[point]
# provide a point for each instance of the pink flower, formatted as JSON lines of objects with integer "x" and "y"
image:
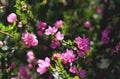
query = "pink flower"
{"x": 82, "y": 73}
{"x": 50, "y": 30}
{"x": 31, "y": 59}
{"x": 42, "y": 25}
{"x": 23, "y": 73}
{"x": 40, "y": 33}
{"x": 117, "y": 47}
{"x": 105, "y": 36}
{"x": 68, "y": 57}
{"x": 30, "y": 53}
{"x": 11, "y": 17}
{"x": 106, "y": 1}
{"x": 43, "y": 65}
{"x": 105, "y": 40}
{"x": 59, "y": 36}
{"x": 82, "y": 43}
{"x": 14, "y": 78}
{"x": 41, "y": 28}
{"x": 55, "y": 43}
{"x": 51, "y": 76}
{"x": 20, "y": 24}
{"x": 83, "y": 46}
{"x": 11, "y": 67}
{"x": 81, "y": 53}
{"x": 29, "y": 39}
{"x": 73, "y": 69}
{"x": 99, "y": 9}
{"x": 30, "y": 56}
{"x": 87, "y": 24}
{"x": 58, "y": 23}
{"x": 56, "y": 56}
{"x": 30, "y": 66}
{"x": 1, "y": 43}
{"x": 105, "y": 32}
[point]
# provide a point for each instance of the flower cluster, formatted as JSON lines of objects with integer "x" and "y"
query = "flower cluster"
{"x": 81, "y": 73}
{"x": 43, "y": 65}
{"x": 67, "y": 57}
{"x": 71, "y": 59}
{"x": 29, "y": 39}
{"x": 57, "y": 35}
{"x": 51, "y": 30}
{"x": 83, "y": 46}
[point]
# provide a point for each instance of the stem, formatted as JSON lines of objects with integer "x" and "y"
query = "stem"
{"x": 6, "y": 33}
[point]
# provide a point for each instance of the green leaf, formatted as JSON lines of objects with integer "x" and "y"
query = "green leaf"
{"x": 76, "y": 77}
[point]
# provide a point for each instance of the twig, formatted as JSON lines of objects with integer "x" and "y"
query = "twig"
{"x": 6, "y": 33}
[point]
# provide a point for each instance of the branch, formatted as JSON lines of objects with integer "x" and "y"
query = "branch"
{"x": 6, "y": 33}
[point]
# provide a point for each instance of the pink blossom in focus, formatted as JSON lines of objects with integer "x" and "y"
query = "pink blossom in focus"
{"x": 29, "y": 39}
{"x": 58, "y": 23}
{"x": 59, "y": 36}
{"x": 1, "y": 43}
{"x": 82, "y": 43}
{"x": 73, "y": 69}
{"x": 68, "y": 57}
{"x": 87, "y": 24}
{"x": 43, "y": 65}
{"x": 83, "y": 46}
{"x": 50, "y": 30}
{"x": 11, "y": 17}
